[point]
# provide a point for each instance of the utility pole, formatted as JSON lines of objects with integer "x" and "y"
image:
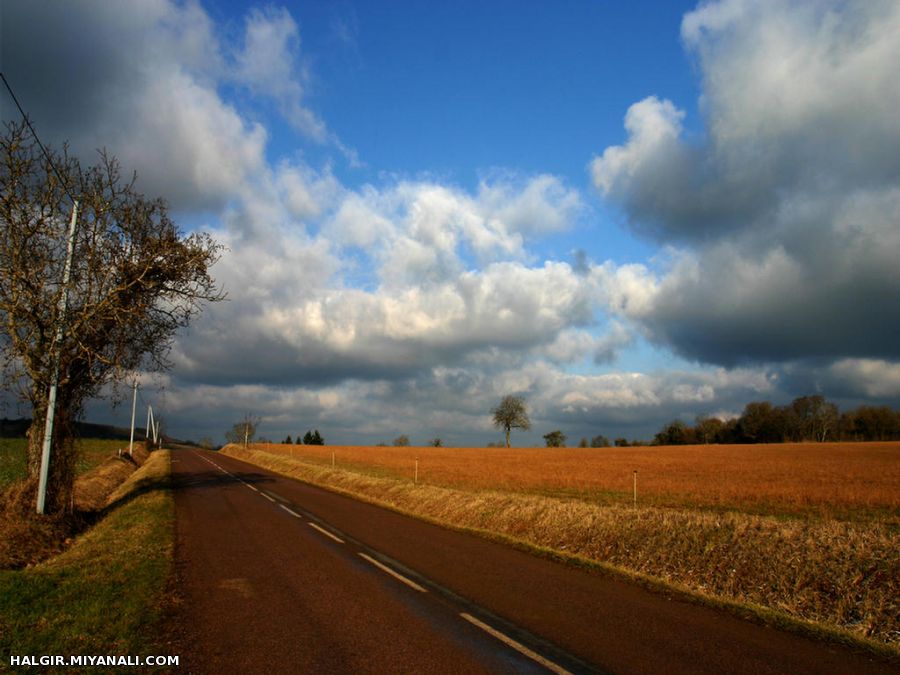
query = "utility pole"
{"x": 152, "y": 424}
{"x": 54, "y": 381}
{"x": 133, "y": 410}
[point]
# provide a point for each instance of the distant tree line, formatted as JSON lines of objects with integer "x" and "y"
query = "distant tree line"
{"x": 807, "y": 418}
{"x": 309, "y": 438}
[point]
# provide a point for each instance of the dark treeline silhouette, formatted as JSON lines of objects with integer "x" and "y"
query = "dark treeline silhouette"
{"x": 808, "y": 418}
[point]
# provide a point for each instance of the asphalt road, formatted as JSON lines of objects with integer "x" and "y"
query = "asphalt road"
{"x": 278, "y": 576}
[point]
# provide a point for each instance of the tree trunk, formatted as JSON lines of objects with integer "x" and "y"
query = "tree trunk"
{"x": 61, "y": 476}
{"x": 507, "y": 437}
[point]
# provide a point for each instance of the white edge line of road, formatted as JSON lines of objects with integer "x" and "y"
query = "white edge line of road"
{"x": 291, "y": 511}
{"x": 327, "y": 533}
{"x": 519, "y": 647}
{"x": 396, "y": 575}
{"x": 271, "y": 499}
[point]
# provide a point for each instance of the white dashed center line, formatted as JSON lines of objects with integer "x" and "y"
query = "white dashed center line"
{"x": 396, "y": 575}
{"x": 291, "y": 511}
{"x": 518, "y": 646}
{"x": 326, "y": 533}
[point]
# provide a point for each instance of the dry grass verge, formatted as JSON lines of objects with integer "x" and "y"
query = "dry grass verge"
{"x": 93, "y": 488}
{"x": 844, "y": 576}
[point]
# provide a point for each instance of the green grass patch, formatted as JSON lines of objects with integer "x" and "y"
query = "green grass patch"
{"x": 106, "y": 594}
{"x": 12, "y": 460}
{"x": 91, "y": 452}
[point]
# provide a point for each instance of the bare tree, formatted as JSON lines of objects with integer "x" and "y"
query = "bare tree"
{"x": 511, "y": 414}
{"x": 135, "y": 280}
{"x": 243, "y": 432}
{"x": 817, "y": 419}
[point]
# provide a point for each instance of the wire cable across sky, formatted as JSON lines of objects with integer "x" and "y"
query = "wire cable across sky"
{"x": 62, "y": 182}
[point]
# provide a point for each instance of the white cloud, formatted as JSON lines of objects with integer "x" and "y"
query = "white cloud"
{"x": 543, "y": 204}
{"x": 306, "y": 193}
{"x": 654, "y": 128}
{"x": 583, "y": 397}
{"x": 421, "y": 232}
{"x": 874, "y": 378}
{"x": 269, "y": 64}
{"x": 216, "y": 150}
{"x": 802, "y": 73}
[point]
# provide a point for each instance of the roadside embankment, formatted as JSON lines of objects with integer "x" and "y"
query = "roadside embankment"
{"x": 27, "y": 538}
{"x": 832, "y": 579}
{"x": 106, "y": 594}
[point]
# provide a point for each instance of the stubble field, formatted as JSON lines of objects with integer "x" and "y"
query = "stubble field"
{"x": 843, "y": 480}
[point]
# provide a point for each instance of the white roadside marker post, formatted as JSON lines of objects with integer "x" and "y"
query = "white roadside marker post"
{"x": 133, "y": 410}
{"x": 635, "y": 489}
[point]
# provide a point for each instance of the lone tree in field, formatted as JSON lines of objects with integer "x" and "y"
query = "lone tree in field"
{"x": 135, "y": 280}
{"x": 511, "y": 414}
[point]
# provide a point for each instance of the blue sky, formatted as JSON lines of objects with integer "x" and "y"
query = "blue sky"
{"x": 457, "y": 88}
{"x": 624, "y": 212}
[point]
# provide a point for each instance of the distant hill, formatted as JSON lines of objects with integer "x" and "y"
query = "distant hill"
{"x": 18, "y": 428}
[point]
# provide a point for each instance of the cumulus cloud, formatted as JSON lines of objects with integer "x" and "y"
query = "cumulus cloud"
{"x": 785, "y": 210}
{"x": 542, "y": 204}
{"x": 324, "y": 334}
{"x": 420, "y": 232}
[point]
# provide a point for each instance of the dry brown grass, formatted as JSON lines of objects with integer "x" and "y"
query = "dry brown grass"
{"x": 841, "y": 574}
{"x": 92, "y": 489}
{"x": 26, "y": 538}
{"x": 832, "y": 479}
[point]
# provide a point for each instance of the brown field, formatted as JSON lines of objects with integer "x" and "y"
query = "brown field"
{"x": 847, "y": 480}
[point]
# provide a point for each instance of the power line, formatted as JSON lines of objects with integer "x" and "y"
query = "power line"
{"x": 62, "y": 182}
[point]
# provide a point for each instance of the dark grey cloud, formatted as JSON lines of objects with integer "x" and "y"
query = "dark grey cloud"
{"x": 140, "y": 80}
